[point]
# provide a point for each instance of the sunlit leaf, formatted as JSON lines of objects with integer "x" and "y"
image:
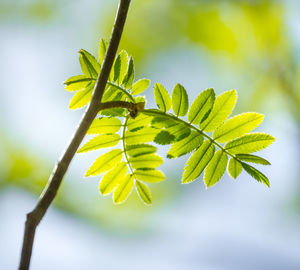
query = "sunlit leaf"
{"x": 164, "y": 137}
{"x": 76, "y": 83}
{"x": 81, "y": 98}
{"x": 162, "y": 98}
{"x": 146, "y": 134}
{"x": 253, "y": 159}
{"x": 151, "y": 176}
{"x": 146, "y": 161}
{"x": 102, "y": 50}
{"x": 180, "y": 102}
{"x": 234, "y": 168}
{"x": 89, "y": 65}
{"x": 140, "y": 121}
{"x": 140, "y": 86}
{"x": 137, "y": 150}
{"x": 123, "y": 190}
{"x": 105, "y": 125}
{"x": 120, "y": 67}
{"x": 129, "y": 77}
{"x": 143, "y": 192}
{"x": 256, "y": 174}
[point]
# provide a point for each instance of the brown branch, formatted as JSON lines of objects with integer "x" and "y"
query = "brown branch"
{"x": 49, "y": 192}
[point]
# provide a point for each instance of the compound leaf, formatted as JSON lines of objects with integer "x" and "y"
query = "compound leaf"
{"x": 150, "y": 161}
{"x": 237, "y": 126}
{"x": 81, "y": 98}
{"x": 201, "y": 106}
{"x": 137, "y": 150}
{"x": 146, "y": 134}
{"x": 256, "y": 174}
{"x": 112, "y": 178}
{"x": 249, "y": 143}
{"x": 234, "y": 168}
{"x": 180, "y": 102}
{"x": 101, "y": 141}
{"x": 162, "y": 98}
{"x": 89, "y": 65}
{"x": 76, "y": 83}
{"x": 141, "y": 120}
{"x": 222, "y": 108}
{"x": 105, "y": 162}
{"x": 215, "y": 168}
{"x": 185, "y": 146}
{"x": 140, "y": 86}
{"x": 143, "y": 192}
{"x": 123, "y": 190}
{"x": 198, "y": 161}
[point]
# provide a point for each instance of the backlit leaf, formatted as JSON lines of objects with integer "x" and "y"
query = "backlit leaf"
{"x": 162, "y": 98}
{"x": 198, "y": 161}
{"x": 101, "y": 141}
{"x": 89, "y": 65}
{"x": 141, "y": 120}
{"x": 151, "y": 176}
{"x": 76, "y": 83}
{"x": 123, "y": 189}
{"x": 146, "y": 161}
{"x": 234, "y": 168}
{"x": 164, "y": 137}
{"x": 140, "y": 86}
{"x": 120, "y": 67}
{"x": 146, "y": 134}
{"x": 201, "y": 106}
{"x": 129, "y": 77}
{"x": 237, "y": 126}
{"x": 143, "y": 192}
{"x": 81, "y": 98}
{"x": 180, "y": 102}
{"x": 222, "y": 108}
{"x": 112, "y": 178}
{"x": 215, "y": 168}
{"x": 105, "y": 162}
{"x": 256, "y": 174}
{"x": 249, "y": 143}
{"x": 253, "y": 159}
{"x": 137, "y": 150}
{"x": 102, "y": 50}
{"x": 105, "y": 125}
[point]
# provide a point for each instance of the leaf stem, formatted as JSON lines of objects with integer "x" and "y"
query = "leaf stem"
{"x": 35, "y": 216}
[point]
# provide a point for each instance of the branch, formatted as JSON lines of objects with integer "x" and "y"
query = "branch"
{"x": 49, "y": 192}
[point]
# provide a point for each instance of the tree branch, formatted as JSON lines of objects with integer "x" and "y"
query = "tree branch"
{"x": 49, "y": 192}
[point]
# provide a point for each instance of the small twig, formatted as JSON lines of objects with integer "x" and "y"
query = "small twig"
{"x": 49, "y": 192}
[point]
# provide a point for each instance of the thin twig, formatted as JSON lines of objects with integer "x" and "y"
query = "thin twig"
{"x": 49, "y": 193}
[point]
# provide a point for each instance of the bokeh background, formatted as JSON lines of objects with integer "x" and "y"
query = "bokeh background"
{"x": 252, "y": 46}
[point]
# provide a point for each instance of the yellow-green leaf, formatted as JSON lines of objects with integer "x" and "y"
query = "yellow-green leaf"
{"x": 143, "y": 135}
{"x": 89, "y": 65}
{"x": 256, "y": 174}
{"x": 180, "y": 101}
{"x": 185, "y": 146}
{"x": 120, "y": 67}
{"x": 81, "y": 98}
{"x": 249, "y": 143}
{"x": 201, "y": 106}
{"x": 140, "y": 86}
{"x": 76, "y": 83}
{"x": 144, "y": 192}
{"x": 237, "y": 126}
{"x": 234, "y": 168}
{"x": 123, "y": 189}
{"x": 198, "y": 161}
{"x": 105, "y": 125}
{"x": 105, "y": 162}
{"x": 162, "y": 97}
{"x": 221, "y": 110}
{"x": 215, "y": 168}
{"x": 253, "y": 159}
{"x": 112, "y": 178}
{"x": 137, "y": 150}
{"x": 141, "y": 120}
{"x": 101, "y": 141}
{"x": 102, "y": 50}
{"x": 151, "y": 176}
{"x": 146, "y": 161}
{"x": 129, "y": 77}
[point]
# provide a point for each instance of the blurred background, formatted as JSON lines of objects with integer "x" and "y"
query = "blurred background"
{"x": 252, "y": 46}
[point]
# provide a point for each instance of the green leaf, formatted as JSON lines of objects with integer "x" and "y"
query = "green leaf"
{"x": 180, "y": 131}
{"x": 81, "y": 98}
{"x": 253, "y": 159}
{"x": 249, "y": 143}
{"x": 180, "y": 101}
{"x": 201, "y": 106}
{"x": 137, "y": 150}
{"x": 221, "y": 110}
{"x": 140, "y": 121}
{"x": 140, "y": 86}
{"x": 151, "y": 176}
{"x": 89, "y": 65}
{"x": 185, "y": 146}
{"x": 162, "y": 98}
{"x": 129, "y": 77}
{"x": 215, "y": 168}
{"x": 113, "y": 93}
{"x": 105, "y": 162}
{"x": 144, "y": 192}
{"x": 237, "y": 126}
{"x": 102, "y": 50}
{"x": 118, "y": 112}
{"x": 105, "y": 125}
{"x": 120, "y": 67}
{"x": 123, "y": 189}
{"x": 164, "y": 138}
{"x": 146, "y": 161}
{"x": 146, "y": 134}
{"x": 256, "y": 174}
{"x": 112, "y": 178}
{"x": 234, "y": 168}
{"x": 101, "y": 141}
{"x": 76, "y": 83}
{"x": 198, "y": 161}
